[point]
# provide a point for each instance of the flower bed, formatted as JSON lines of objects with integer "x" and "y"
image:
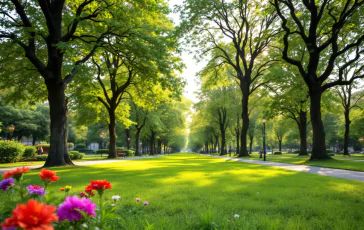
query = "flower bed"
{"x": 32, "y": 209}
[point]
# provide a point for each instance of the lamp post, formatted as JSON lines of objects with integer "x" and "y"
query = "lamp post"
{"x": 264, "y": 120}
{"x": 361, "y": 139}
{"x": 101, "y": 137}
{"x": 11, "y": 129}
{"x": 128, "y": 143}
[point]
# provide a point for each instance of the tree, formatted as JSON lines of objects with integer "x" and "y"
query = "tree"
{"x": 248, "y": 28}
{"x": 327, "y": 29}
{"x": 349, "y": 100}
{"x": 49, "y": 35}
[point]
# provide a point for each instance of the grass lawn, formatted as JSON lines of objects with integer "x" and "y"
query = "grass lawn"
{"x": 339, "y": 162}
{"x": 191, "y": 191}
{"x": 30, "y": 163}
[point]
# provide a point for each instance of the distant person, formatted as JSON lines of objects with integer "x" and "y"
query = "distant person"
{"x": 260, "y": 152}
{"x": 40, "y": 150}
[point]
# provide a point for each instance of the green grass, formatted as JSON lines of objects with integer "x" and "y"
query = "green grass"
{"x": 30, "y": 163}
{"x": 339, "y": 162}
{"x": 190, "y": 191}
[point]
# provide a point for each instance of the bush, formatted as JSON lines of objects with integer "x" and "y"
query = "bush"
{"x": 29, "y": 152}
{"x": 277, "y": 153}
{"x": 103, "y": 151}
{"x": 81, "y": 146}
{"x": 130, "y": 153}
{"x": 329, "y": 151}
{"x": 41, "y": 157}
{"x": 11, "y": 151}
{"x": 43, "y": 145}
{"x": 75, "y": 155}
{"x": 331, "y": 154}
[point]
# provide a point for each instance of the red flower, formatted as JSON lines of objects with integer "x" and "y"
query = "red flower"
{"x": 99, "y": 185}
{"x": 48, "y": 176}
{"x": 82, "y": 194}
{"x": 16, "y": 173}
{"x": 88, "y": 190}
{"x": 33, "y": 215}
{"x": 61, "y": 189}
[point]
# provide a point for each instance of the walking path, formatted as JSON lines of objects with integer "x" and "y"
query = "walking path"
{"x": 82, "y": 163}
{"x": 339, "y": 173}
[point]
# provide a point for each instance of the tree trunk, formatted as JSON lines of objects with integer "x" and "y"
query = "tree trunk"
{"x": 137, "y": 142}
{"x": 251, "y": 144}
{"x": 280, "y": 144}
{"x": 347, "y": 129}
{"x": 303, "y": 133}
{"x": 244, "y": 130}
{"x": 112, "y": 134}
{"x": 223, "y": 141}
{"x": 159, "y": 146}
{"x": 58, "y": 152}
{"x": 237, "y": 141}
{"x": 318, "y": 140}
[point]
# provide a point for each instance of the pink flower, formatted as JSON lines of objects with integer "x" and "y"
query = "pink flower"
{"x": 146, "y": 203}
{"x": 73, "y": 206}
{"x": 35, "y": 189}
{"x": 137, "y": 199}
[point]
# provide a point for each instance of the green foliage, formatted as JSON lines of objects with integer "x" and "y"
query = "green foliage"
{"x": 76, "y": 155}
{"x": 130, "y": 153}
{"x": 11, "y": 151}
{"x": 29, "y": 152}
{"x": 102, "y": 151}
{"x": 277, "y": 153}
{"x": 43, "y": 145}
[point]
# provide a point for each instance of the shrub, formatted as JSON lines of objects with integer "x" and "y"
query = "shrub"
{"x": 11, "y": 151}
{"x": 329, "y": 151}
{"x": 41, "y": 157}
{"x": 70, "y": 145}
{"x": 103, "y": 151}
{"x": 81, "y": 146}
{"x": 74, "y": 155}
{"x": 277, "y": 153}
{"x": 130, "y": 153}
{"x": 29, "y": 152}
{"x": 331, "y": 154}
{"x": 43, "y": 145}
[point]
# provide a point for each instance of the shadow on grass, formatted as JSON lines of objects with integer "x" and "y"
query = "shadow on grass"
{"x": 183, "y": 189}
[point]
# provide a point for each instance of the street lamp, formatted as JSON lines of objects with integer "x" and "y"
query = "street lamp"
{"x": 128, "y": 142}
{"x": 361, "y": 139}
{"x": 11, "y": 129}
{"x": 264, "y": 120}
{"x": 101, "y": 137}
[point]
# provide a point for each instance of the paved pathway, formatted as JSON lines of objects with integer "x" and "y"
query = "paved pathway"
{"x": 80, "y": 163}
{"x": 339, "y": 173}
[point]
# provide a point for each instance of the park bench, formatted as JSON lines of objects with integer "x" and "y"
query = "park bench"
{"x": 121, "y": 153}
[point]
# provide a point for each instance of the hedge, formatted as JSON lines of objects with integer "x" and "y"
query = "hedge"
{"x": 11, "y": 151}
{"x": 277, "y": 153}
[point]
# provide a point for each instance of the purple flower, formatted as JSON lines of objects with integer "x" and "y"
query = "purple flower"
{"x": 7, "y": 183}
{"x": 146, "y": 203}
{"x": 71, "y": 207}
{"x": 35, "y": 189}
{"x": 137, "y": 199}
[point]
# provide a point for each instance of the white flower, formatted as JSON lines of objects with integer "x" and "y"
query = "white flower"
{"x": 112, "y": 205}
{"x": 115, "y": 198}
{"x": 84, "y": 225}
{"x": 236, "y": 216}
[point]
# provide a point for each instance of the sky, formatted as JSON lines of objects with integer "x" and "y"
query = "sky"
{"x": 192, "y": 67}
